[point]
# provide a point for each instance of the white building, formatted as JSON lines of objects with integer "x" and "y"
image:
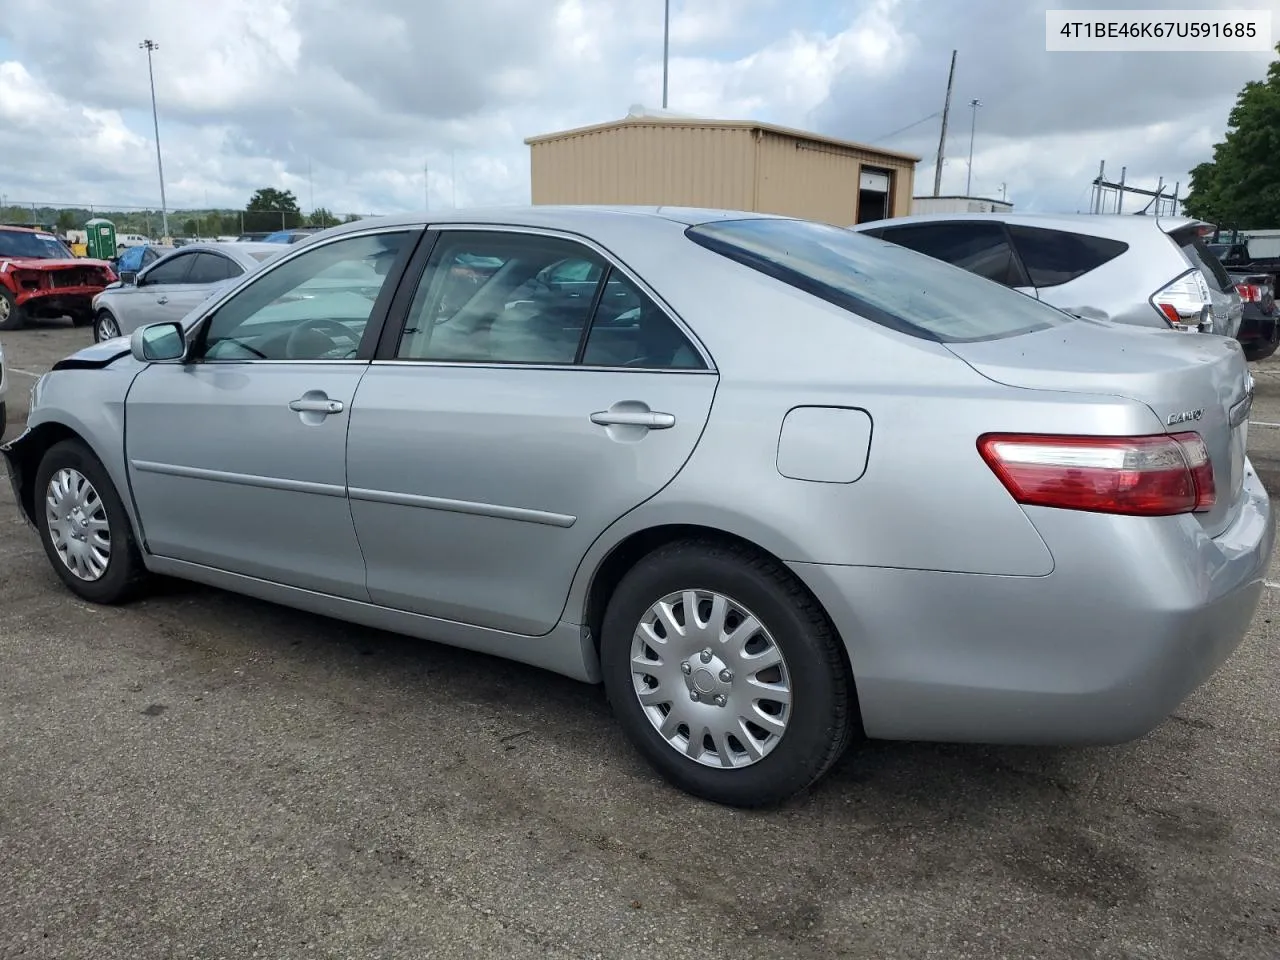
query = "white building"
{"x": 959, "y": 205}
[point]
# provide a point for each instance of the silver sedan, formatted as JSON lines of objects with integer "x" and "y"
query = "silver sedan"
{"x": 772, "y": 482}
{"x": 168, "y": 288}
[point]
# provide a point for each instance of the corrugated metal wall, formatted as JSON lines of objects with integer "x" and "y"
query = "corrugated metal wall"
{"x": 735, "y": 168}
{"x": 646, "y": 164}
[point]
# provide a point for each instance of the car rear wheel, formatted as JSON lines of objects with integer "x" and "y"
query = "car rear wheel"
{"x": 82, "y": 319}
{"x": 3, "y": 415}
{"x": 11, "y": 315}
{"x": 725, "y": 673}
{"x": 83, "y": 526}
{"x": 105, "y": 327}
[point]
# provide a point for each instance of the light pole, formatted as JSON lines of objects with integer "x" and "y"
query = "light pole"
{"x": 150, "y": 46}
{"x": 968, "y": 184}
{"x": 666, "y": 48}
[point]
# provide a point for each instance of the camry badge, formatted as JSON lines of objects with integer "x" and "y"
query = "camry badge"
{"x": 1185, "y": 416}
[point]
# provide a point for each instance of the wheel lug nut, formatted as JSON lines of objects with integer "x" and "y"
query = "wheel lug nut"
{"x": 726, "y": 675}
{"x": 706, "y": 655}
{"x": 685, "y": 668}
{"x": 720, "y": 700}
{"x": 693, "y": 695}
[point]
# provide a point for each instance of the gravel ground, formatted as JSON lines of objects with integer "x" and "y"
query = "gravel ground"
{"x": 200, "y": 775}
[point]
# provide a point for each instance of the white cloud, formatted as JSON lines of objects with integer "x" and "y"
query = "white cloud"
{"x": 258, "y": 92}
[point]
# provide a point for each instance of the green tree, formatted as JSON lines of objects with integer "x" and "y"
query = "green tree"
{"x": 66, "y": 220}
{"x": 351, "y": 218}
{"x": 320, "y": 217}
{"x": 269, "y": 198}
{"x": 1240, "y": 186}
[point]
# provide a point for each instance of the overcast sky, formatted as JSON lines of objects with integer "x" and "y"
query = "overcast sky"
{"x": 345, "y": 102}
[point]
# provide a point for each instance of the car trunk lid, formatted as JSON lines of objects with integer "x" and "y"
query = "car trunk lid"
{"x": 1191, "y": 382}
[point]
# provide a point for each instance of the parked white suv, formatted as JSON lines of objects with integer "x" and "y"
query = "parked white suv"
{"x": 1143, "y": 270}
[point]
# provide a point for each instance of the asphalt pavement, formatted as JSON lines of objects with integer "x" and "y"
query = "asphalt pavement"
{"x": 201, "y": 775}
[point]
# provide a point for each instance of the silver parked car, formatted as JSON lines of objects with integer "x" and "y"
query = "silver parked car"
{"x": 168, "y": 288}
{"x": 1142, "y": 270}
{"x": 771, "y": 481}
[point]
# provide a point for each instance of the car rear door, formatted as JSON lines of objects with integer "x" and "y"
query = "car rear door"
{"x": 208, "y": 269}
{"x": 496, "y": 437}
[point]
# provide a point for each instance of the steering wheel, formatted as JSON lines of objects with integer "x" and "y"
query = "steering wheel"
{"x": 293, "y": 345}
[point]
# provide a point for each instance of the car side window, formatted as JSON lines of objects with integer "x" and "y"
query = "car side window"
{"x": 313, "y": 307}
{"x": 630, "y": 330}
{"x": 491, "y": 297}
{"x": 172, "y": 270}
{"x": 1052, "y": 257}
{"x": 212, "y": 268}
{"x": 981, "y": 248}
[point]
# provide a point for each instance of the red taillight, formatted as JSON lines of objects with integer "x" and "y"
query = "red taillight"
{"x": 1151, "y": 476}
{"x": 1249, "y": 292}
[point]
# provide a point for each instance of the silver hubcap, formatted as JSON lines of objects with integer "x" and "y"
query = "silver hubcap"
{"x": 107, "y": 328}
{"x": 78, "y": 524}
{"x": 711, "y": 679}
{"x": 4, "y": 309}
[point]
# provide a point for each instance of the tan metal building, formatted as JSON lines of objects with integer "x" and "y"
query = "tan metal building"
{"x": 735, "y": 165}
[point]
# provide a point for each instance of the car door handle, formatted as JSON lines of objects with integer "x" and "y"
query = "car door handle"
{"x": 162, "y": 299}
{"x": 308, "y": 405}
{"x": 633, "y": 418}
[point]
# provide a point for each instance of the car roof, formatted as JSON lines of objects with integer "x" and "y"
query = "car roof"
{"x": 242, "y": 253}
{"x": 572, "y": 218}
{"x": 1099, "y": 224}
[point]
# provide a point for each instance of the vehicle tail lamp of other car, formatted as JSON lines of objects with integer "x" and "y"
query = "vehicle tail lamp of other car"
{"x": 1185, "y": 303}
{"x": 1252, "y": 292}
{"x": 1151, "y": 476}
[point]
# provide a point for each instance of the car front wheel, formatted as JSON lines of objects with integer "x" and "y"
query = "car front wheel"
{"x": 83, "y": 526}
{"x": 11, "y": 315}
{"x": 725, "y": 673}
{"x": 105, "y": 327}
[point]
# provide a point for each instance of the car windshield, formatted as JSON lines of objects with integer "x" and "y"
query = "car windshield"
{"x": 881, "y": 281}
{"x": 37, "y": 246}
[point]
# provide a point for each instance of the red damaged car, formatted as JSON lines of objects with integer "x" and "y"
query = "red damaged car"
{"x": 40, "y": 277}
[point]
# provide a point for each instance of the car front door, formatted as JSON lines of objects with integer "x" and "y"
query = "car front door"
{"x": 237, "y": 456}
{"x": 506, "y": 428}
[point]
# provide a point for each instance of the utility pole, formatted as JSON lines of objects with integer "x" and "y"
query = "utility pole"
{"x": 942, "y": 140}
{"x": 151, "y": 46}
{"x": 311, "y": 188}
{"x": 974, "y": 104}
{"x": 426, "y": 184}
{"x": 1003, "y": 195}
{"x": 666, "y": 49}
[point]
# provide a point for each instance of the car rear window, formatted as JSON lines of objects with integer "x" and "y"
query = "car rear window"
{"x": 881, "y": 281}
{"x": 1053, "y": 257}
{"x": 1202, "y": 258}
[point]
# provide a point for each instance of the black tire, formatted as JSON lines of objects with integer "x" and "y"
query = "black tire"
{"x": 124, "y": 573}
{"x": 14, "y": 316}
{"x": 3, "y": 414}
{"x": 823, "y": 698}
{"x": 98, "y": 319}
{"x": 1259, "y": 351}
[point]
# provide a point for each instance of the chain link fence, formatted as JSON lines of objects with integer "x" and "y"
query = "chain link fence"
{"x": 202, "y": 223}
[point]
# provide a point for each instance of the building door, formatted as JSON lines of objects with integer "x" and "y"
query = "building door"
{"x": 873, "y": 195}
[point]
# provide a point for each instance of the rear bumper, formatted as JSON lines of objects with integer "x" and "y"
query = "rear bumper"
{"x": 1257, "y": 327}
{"x": 1101, "y": 650}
